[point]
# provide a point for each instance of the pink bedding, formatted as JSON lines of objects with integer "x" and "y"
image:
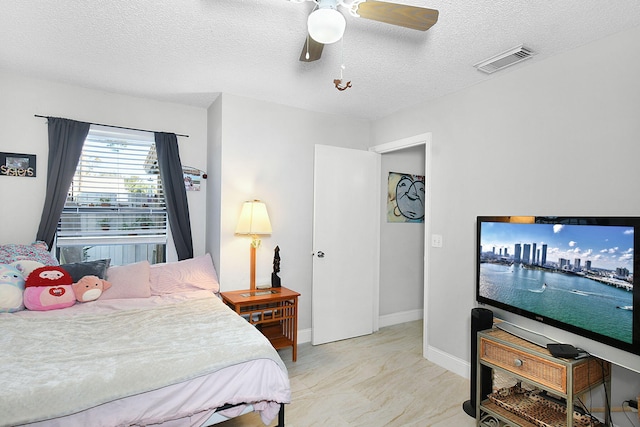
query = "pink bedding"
{"x": 189, "y": 403}
{"x": 261, "y": 382}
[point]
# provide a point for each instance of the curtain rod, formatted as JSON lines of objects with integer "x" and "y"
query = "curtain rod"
{"x": 117, "y": 127}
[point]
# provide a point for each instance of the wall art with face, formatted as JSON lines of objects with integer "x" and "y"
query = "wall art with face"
{"x": 406, "y": 198}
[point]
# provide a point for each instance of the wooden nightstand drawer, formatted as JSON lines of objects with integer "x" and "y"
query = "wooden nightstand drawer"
{"x": 525, "y": 364}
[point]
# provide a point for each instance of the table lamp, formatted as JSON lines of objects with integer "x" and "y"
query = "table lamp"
{"x": 253, "y": 221}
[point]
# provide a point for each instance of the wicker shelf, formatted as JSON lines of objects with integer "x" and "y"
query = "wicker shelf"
{"x": 494, "y": 415}
{"x": 534, "y": 365}
{"x": 530, "y": 406}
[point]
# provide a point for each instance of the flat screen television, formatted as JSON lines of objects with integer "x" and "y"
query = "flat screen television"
{"x": 573, "y": 273}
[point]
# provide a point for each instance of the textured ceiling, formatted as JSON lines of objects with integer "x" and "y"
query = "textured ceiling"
{"x": 189, "y": 51}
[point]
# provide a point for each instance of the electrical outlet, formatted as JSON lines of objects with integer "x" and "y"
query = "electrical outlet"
{"x": 436, "y": 240}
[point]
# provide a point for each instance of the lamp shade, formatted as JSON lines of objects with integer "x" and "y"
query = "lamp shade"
{"x": 326, "y": 26}
{"x": 254, "y": 219}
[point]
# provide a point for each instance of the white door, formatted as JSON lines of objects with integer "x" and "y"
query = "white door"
{"x": 345, "y": 243}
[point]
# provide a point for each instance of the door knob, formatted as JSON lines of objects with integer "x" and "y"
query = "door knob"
{"x": 320, "y": 254}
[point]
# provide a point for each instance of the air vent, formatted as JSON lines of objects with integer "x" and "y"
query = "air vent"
{"x": 505, "y": 59}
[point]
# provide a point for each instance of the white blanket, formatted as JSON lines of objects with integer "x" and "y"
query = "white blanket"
{"x": 56, "y": 363}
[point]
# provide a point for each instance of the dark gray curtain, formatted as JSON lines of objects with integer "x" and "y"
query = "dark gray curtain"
{"x": 66, "y": 138}
{"x": 174, "y": 192}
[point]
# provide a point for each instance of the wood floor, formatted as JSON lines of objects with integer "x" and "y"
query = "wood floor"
{"x": 376, "y": 380}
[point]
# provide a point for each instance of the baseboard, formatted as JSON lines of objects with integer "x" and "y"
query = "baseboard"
{"x": 304, "y": 335}
{"x": 401, "y": 317}
{"x": 449, "y": 362}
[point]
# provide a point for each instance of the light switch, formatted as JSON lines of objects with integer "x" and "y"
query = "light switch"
{"x": 436, "y": 240}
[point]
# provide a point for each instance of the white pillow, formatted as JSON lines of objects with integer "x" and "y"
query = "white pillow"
{"x": 128, "y": 281}
{"x": 189, "y": 274}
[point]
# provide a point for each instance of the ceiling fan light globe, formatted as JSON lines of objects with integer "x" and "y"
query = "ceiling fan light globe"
{"x": 326, "y": 26}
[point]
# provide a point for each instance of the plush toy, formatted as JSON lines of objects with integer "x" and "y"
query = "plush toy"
{"x": 48, "y": 288}
{"x": 89, "y": 288}
{"x": 26, "y": 266}
{"x": 11, "y": 288}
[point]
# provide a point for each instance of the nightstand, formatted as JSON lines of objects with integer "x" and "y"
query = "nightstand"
{"x": 274, "y": 311}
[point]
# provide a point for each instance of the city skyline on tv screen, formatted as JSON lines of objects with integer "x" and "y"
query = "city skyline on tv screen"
{"x": 606, "y": 247}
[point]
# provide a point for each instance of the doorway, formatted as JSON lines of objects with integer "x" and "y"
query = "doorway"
{"x": 422, "y": 141}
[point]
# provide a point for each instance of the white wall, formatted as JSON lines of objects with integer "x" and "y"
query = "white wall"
{"x": 401, "y": 246}
{"x": 21, "y": 132}
{"x": 558, "y": 137}
{"x": 267, "y": 153}
{"x": 214, "y": 167}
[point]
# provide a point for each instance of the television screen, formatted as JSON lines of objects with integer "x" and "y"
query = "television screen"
{"x": 575, "y": 273}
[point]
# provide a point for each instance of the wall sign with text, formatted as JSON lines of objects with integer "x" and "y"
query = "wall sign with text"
{"x": 14, "y": 164}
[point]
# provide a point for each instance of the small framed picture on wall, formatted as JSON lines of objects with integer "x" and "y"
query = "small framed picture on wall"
{"x": 192, "y": 178}
{"x": 14, "y": 164}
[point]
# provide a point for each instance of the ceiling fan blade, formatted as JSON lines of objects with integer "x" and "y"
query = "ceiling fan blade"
{"x": 315, "y": 50}
{"x": 417, "y": 18}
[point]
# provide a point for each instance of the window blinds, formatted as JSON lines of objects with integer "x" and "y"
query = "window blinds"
{"x": 116, "y": 194}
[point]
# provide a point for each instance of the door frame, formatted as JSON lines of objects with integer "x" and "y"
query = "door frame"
{"x": 412, "y": 141}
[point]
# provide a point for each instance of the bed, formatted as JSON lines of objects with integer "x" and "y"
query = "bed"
{"x": 176, "y": 357}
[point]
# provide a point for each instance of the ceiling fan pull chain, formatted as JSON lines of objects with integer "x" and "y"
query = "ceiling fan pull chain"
{"x": 342, "y": 66}
{"x": 341, "y": 56}
{"x": 338, "y": 82}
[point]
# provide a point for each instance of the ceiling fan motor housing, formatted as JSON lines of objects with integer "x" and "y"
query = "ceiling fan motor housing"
{"x": 325, "y": 24}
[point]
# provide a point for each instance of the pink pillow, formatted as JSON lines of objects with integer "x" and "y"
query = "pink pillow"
{"x": 128, "y": 281}
{"x": 189, "y": 274}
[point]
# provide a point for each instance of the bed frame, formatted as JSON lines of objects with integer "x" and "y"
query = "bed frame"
{"x": 280, "y": 413}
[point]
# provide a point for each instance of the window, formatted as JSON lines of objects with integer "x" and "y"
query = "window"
{"x": 115, "y": 206}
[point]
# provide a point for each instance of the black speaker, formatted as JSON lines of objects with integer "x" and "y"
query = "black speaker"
{"x": 481, "y": 319}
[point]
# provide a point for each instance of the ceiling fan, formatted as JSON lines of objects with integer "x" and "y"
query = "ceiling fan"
{"x": 326, "y": 24}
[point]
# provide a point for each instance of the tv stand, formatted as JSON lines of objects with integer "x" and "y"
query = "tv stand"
{"x": 532, "y": 368}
